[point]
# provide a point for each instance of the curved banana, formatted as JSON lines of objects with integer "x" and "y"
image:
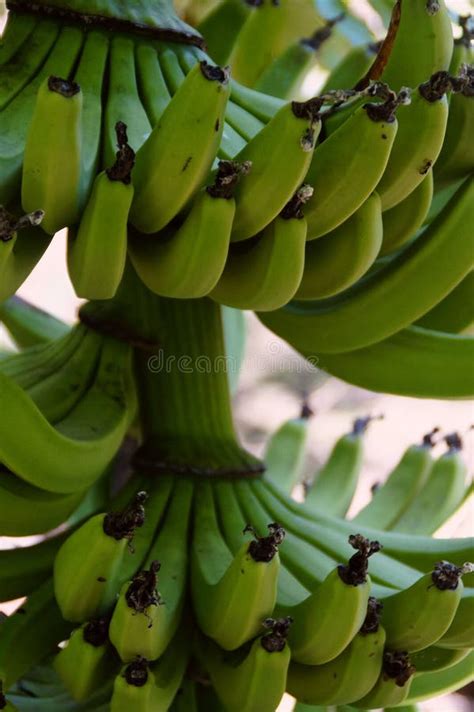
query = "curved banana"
{"x": 401, "y": 223}
{"x": 149, "y": 606}
{"x": 285, "y": 452}
{"x": 347, "y": 166}
{"x": 333, "y": 487}
{"x": 28, "y": 325}
{"x": 263, "y": 106}
{"x": 420, "y": 135}
{"x": 221, "y": 26}
{"x": 152, "y": 86}
{"x": 433, "y": 684}
{"x": 337, "y": 260}
{"x": 264, "y": 273}
{"x": 17, "y": 29}
{"x": 401, "y": 487}
{"x": 440, "y": 496}
{"x": 23, "y": 569}
{"x": 86, "y": 660}
{"x": 393, "y": 686}
{"x": 258, "y": 681}
{"x": 460, "y": 634}
{"x": 348, "y": 677}
{"x": 49, "y": 180}
{"x": 231, "y": 594}
{"x": 172, "y": 265}
{"x": 87, "y": 568}
{"x": 351, "y": 68}
{"x": 168, "y": 173}
{"x": 393, "y": 297}
{"x": 85, "y": 441}
{"x": 434, "y": 659}
{"x": 134, "y": 688}
{"x": 454, "y": 314}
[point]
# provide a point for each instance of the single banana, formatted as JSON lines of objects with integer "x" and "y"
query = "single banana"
{"x": 393, "y": 686}
{"x": 333, "y": 487}
{"x": 25, "y": 568}
{"x": 87, "y": 568}
{"x": 460, "y": 634}
{"x": 401, "y": 488}
{"x": 284, "y": 148}
{"x": 220, "y": 28}
{"x": 262, "y": 106}
{"x": 149, "y": 607}
{"x": 401, "y": 223}
{"x": 343, "y": 175}
{"x": 429, "y": 685}
{"x": 172, "y": 265}
{"x": 265, "y": 273}
{"x": 97, "y": 250}
{"x": 49, "y": 180}
{"x": 256, "y": 683}
{"x": 231, "y": 594}
{"x": 339, "y": 259}
{"x": 123, "y": 100}
{"x": 434, "y": 659}
{"x": 86, "y": 660}
{"x": 152, "y": 86}
{"x": 85, "y": 441}
{"x": 393, "y": 297}
{"x": 420, "y": 615}
{"x": 28, "y": 325}
{"x": 134, "y": 688}
{"x": 285, "y": 452}
{"x": 351, "y": 68}
{"x": 454, "y": 314}
{"x": 349, "y": 676}
{"x": 16, "y": 31}
{"x": 420, "y": 135}
{"x": 440, "y": 495}
{"x": 169, "y": 670}
{"x": 167, "y": 172}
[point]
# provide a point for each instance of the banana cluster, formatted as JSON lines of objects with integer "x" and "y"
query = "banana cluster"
{"x": 149, "y": 150}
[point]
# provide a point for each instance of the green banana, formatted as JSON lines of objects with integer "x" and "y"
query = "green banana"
{"x": 393, "y": 686}
{"x": 409, "y": 64}
{"x": 351, "y": 68}
{"x": 434, "y": 659}
{"x": 440, "y": 496}
{"x": 101, "y": 238}
{"x": 265, "y": 273}
{"x": 342, "y": 596}
{"x": 169, "y": 671}
{"x": 421, "y": 129}
{"x": 430, "y": 685}
{"x": 21, "y": 247}
{"x": 16, "y": 31}
{"x": 123, "y": 100}
{"x": 167, "y": 173}
{"x": 28, "y": 325}
{"x": 420, "y": 615}
{"x": 262, "y": 106}
{"x": 231, "y": 594}
{"x": 401, "y": 223}
{"x": 172, "y": 265}
{"x": 25, "y": 568}
{"x": 242, "y": 121}
{"x": 49, "y": 180}
{"x": 392, "y": 298}
{"x": 460, "y": 633}
{"x": 454, "y": 314}
{"x": 151, "y": 83}
{"x": 343, "y": 177}
{"x": 285, "y": 451}
{"x": 348, "y": 677}
{"x": 337, "y": 260}
{"x": 87, "y": 568}
{"x": 221, "y": 26}
{"x": 149, "y": 606}
{"x": 333, "y": 487}
{"x": 257, "y": 682}
{"x": 401, "y": 487}
{"x": 86, "y": 660}
{"x": 134, "y": 688}
{"x": 85, "y": 441}
{"x": 284, "y": 148}
{"x": 30, "y": 633}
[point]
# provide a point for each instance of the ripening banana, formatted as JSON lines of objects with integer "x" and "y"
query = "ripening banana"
{"x": 440, "y": 495}
{"x": 391, "y": 298}
{"x": 340, "y": 258}
{"x": 401, "y": 223}
{"x": 172, "y": 265}
{"x": 86, "y": 660}
{"x": 333, "y": 487}
{"x": 285, "y": 452}
{"x": 401, "y": 487}
{"x": 231, "y": 594}
{"x": 393, "y": 685}
{"x": 149, "y": 606}
{"x": 347, "y": 166}
{"x": 283, "y": 148}
{"x": 52, "y": 164}
{"x": 420, "y": 615}
{"x": 265, "y": 273}
{"x": 256, "y": 683}
{"x": 87, "y": 568}
{"x": 349, "y": 676}
{"x": 455, "y": 313}
{"x": 168, "y": 172}
{"x": 97, "y": 249}
{"x": 421, "y": 129}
